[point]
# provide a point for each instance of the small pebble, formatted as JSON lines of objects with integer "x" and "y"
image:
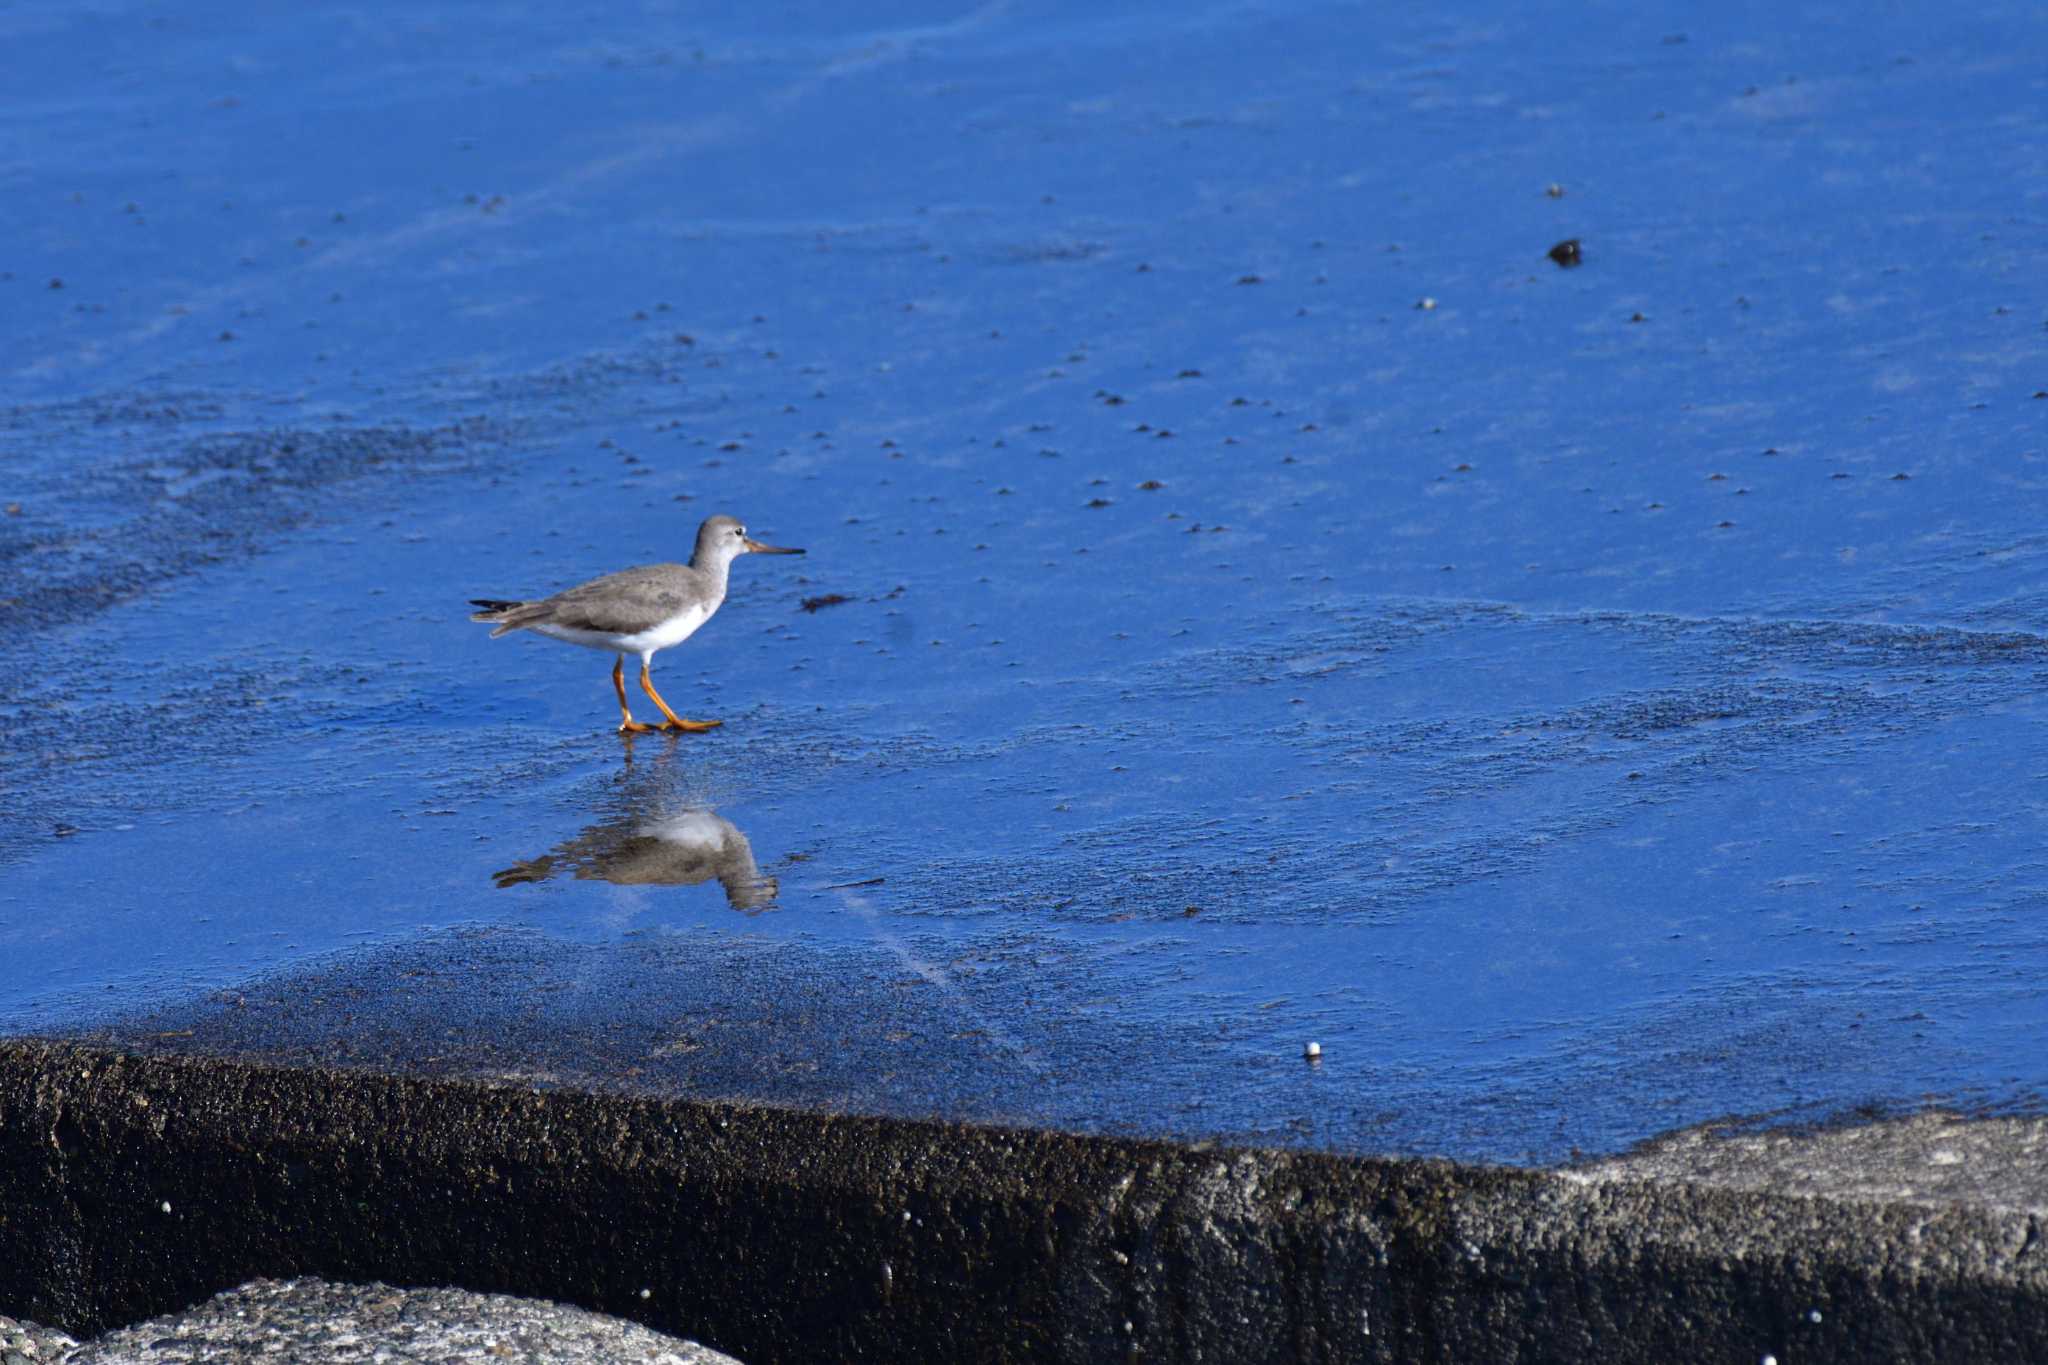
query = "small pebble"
{"x": 1425, "y": 303}
{"x": 1312, "y": 1051}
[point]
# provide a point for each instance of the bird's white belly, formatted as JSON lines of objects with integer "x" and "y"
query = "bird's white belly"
{"x": 673, "y": 631}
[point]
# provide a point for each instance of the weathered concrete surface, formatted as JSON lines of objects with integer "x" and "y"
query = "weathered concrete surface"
{"x": 131, "y": 1185}
{"x": 1932, "y": 1159}
{"x": 313, "y": 1320}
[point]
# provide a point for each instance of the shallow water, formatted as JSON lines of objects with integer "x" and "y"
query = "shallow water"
{"x": 1581, "y": 726}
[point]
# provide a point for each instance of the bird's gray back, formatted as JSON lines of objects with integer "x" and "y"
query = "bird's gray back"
{"x": 633, "y": 600}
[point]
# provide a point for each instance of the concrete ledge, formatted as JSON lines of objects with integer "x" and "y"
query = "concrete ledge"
{"x": 134, "y": 1185}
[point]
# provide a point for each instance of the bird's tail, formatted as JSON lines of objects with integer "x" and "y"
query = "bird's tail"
{"x": 502, "y": 614}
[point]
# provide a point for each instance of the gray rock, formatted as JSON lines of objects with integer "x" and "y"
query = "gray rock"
{"x": 314, "y": 1320}
{"x": 24, "y": 1343}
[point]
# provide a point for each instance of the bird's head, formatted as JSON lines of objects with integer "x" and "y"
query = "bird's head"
{"x": 725, "y": 538}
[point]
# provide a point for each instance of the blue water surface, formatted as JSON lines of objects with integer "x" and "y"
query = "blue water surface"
{"x": 1280, "y": 603}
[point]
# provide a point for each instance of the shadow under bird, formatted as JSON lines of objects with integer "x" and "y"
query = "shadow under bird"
{"x": 638, "y": 611}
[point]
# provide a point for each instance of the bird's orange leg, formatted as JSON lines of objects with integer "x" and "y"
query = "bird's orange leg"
{"x": 675, "y": 722}
{"x": 627, "y": 725}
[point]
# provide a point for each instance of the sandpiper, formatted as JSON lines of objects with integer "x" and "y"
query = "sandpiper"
{"x": 638, "y": 611}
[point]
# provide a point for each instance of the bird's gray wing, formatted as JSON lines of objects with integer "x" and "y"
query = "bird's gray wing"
{"x": 625, "y": 602}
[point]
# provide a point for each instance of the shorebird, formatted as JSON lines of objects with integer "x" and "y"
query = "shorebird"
{"x": 638, "y": 611}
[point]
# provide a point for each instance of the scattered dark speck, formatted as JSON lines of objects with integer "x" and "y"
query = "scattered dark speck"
{"x": 1897, "y": 478}
{"x": 1637, "y": 317}
{"x": 1190, "y": 374}
{"x": 56, "y": 283}
{"x": 1249, "y": 279}
{"x": 1098, "y": 502}
{"x": 1566, "y": 253}
{"x": 1149, "y": 486}
{"x": 830, "y": 599}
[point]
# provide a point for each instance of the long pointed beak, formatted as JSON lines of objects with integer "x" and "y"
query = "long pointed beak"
{"x": 758, "y": 548}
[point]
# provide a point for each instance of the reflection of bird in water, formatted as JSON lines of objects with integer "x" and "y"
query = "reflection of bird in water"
{"x": 640, "y": 848}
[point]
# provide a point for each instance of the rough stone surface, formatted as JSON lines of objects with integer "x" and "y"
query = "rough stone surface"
{"x": 131, "y": 1185}
{"x": 1935, "y": 1158}
{"x": 22, "y": 1342}
{"x": 313, "y": 1320}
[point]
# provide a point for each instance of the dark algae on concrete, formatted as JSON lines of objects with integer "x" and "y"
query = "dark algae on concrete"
{"x": 132, "y": 1185}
